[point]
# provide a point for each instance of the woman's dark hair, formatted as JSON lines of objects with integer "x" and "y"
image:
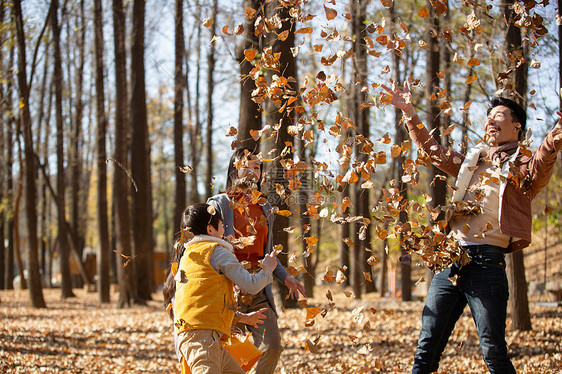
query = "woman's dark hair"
{"x": 194, "y": 221}
{"x": 169, "y": 290}
{"x": 232, "y": 173}
{"x": 517, "y": 112}
{"x": 196, "y": 217}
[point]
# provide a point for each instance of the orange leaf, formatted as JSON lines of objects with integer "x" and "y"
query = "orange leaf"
{"x": 250, "y": 54}
{"x": 471, "y": 79}
{"x": 440, "y": 8}
{"x": 284, "y": 213}
{"x": 330, "y": 13}
{"x": 395, "y": 150}
{"x": 382, "y": 40}
{"x": 283, "y": 35}
{"x": 312, "y": 312}
{"x": 225, "y": 30}
{"x": 386, "y": 3}
{"x": 304, "y": 30}
{"x": 424, "y": 13}
{"x": 208, "y": 22}
{"x": 473, "y": 62}
{"x": 385, "y": 139}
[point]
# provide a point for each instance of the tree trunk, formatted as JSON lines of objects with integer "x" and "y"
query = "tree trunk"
{"x": 250, "y": 114}
{"x": 43, "y": 144}
{"x": 35, "y": 288}
{"x": 195, "y": 126}
{"x": 361, "y": 120}
{"x": 125, "y": 274}
{"x": 103, "y": 225}
{"x": 66, "y": 283}
{"x": 140, "y": 160}
{"x": 515, "y": 265}
{"x": 210, "y": 87}
{"x": 10, "y": 125}
{"x": 437, "y": 179}
{"x": 180, "y": 201}
{"x": 287, "y": 69}
{"x": 560, "y": 53}
{"x": 77, "y": 195}
{"x": 3, "y": 159}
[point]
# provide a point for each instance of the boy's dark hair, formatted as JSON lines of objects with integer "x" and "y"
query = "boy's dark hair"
{"x": 232, "y": 173}
{"x": 196, "y": 217}
{"x": 517, "y": 112}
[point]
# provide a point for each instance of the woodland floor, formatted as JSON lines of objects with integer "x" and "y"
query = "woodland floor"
{"x": 373, "y": 335}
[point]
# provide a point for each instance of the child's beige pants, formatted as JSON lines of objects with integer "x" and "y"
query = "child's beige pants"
{"x": 205, "y": 354}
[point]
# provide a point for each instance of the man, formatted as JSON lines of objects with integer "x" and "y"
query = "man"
{"x": 497, "y": 183}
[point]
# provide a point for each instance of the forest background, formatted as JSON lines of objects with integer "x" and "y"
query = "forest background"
{"x": 116, "y": 115}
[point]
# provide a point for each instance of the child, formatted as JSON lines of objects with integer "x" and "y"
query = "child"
{"x": 204, "y": 304}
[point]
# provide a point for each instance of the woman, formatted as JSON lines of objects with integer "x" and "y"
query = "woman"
{"x": 246, "y": 214}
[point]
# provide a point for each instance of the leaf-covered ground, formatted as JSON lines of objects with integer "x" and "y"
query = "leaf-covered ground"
{"x": 373, "y": 335}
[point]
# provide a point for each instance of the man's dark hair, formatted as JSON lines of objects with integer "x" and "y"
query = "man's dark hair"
{"x": 196, "y": 217}
{"x": 517, "y": 112}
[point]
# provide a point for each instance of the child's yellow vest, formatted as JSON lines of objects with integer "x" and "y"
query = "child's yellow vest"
{"x": 204, "y": 299}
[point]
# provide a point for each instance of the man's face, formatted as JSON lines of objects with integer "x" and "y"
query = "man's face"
{"x": 500, "y": 126}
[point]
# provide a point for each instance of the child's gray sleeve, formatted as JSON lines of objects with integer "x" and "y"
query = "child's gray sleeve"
{"x": 224, "y": 262}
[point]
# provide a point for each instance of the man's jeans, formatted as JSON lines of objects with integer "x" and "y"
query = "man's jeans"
{"x": 483, "y": 285}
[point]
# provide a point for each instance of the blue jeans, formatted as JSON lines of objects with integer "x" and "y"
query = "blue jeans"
{"x": 482, "y": 284}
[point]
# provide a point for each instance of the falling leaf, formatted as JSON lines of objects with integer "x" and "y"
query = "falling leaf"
{"x": 250, "y": 54}
{"x": 312, "y": 312}
{"x": 284, "y": 213}
{"x": 304, "y": 30}
{"x": 473, "y": 62}
{"x": 387, "y": 3}
{"x": 208, "y": 22}
{"x": 330, "y": 13}
{"x": 471, "y": 79}
{"x": 340, "y": 277}
{"x": 185, "y": 169}
{"x": 225, "y": 30}
{"x": 423, "y": 12}
{"x": 440, "y": 8}
{"x": 283, "y": 36}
